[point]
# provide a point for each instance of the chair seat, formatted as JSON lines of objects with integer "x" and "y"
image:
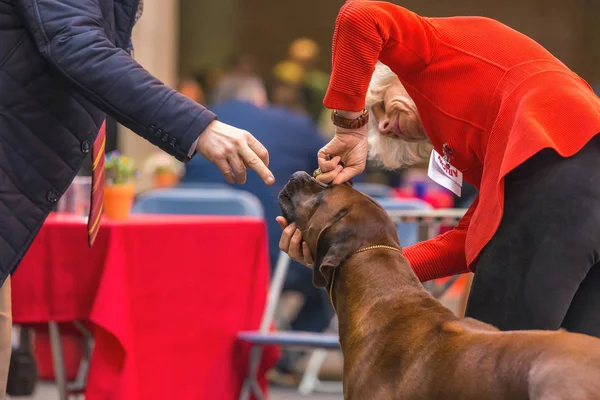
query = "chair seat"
{"x": 292, "y": 339}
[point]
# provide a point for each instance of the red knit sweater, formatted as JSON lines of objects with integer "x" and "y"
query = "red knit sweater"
{"x": 493, "y": 95}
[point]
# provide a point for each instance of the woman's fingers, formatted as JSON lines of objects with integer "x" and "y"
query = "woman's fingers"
{"x": 282, "y": 222}
{"x": 295, "y": 249}
{"x": 326, "y": 163}
{"x": 291, "y": 240}
{"x": 328, "y": 177}
{"x": 346, "y": 174}
{"x": 292, "y": 244}
{"x": 286, "y": 237}
{"x": 308, "y": 260}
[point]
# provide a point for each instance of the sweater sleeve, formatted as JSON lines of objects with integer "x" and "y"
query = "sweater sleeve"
{"x": 367, "y": 31}
{"x": 71, "y": 37}
{"x": 444, "y": 255}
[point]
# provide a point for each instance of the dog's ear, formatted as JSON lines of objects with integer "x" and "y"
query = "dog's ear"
{"x": 333, "y": 247}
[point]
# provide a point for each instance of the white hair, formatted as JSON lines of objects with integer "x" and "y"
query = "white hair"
{"x": 392, "y": 153}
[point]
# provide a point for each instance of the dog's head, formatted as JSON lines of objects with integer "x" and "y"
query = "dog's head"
{"x": 335, "y": 221}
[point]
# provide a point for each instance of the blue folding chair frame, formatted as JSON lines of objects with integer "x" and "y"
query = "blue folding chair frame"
{"x": 408, "y": 232}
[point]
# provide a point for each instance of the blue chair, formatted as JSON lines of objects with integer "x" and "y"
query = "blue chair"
{"x": 375, "y": 190}
{"x": 199, "y": 202}
{"x": 408, "y": 233}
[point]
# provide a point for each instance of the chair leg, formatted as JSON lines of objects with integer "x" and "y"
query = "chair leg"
{"x": 82, "y": 373}
{"x": 274, "y": 293}
{"x": 310, "y": 378}
{"x": 251, "y": 385}
{"x": 58, "y": 361}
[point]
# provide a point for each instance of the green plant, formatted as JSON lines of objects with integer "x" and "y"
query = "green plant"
{"x": 161, "y": 162}
{"x": 119, "y": 169}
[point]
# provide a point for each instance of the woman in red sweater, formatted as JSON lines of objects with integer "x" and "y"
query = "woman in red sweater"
{"x": 515, "y": 121}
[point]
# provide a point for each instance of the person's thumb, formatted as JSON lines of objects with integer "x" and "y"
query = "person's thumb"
{"x": 346, "y": 174}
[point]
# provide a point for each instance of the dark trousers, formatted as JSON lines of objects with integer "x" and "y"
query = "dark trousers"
{"x": 316, "y": 313}
{"x": 541, "y": 269}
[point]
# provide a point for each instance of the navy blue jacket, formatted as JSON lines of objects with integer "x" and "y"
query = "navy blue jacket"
{"x": 64, "y": 64}
{"x": 292, "y": 141}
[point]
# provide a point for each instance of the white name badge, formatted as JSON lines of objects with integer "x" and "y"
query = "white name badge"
{"x": 444, "y": 173}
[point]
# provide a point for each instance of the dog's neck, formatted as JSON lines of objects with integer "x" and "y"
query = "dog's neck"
{"x": 377, "y": 292}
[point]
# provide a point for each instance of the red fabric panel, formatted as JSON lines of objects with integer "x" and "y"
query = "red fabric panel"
{"x": 166, "y": 296}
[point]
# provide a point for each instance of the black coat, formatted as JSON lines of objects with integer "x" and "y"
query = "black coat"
{"x": 64, "y": 64}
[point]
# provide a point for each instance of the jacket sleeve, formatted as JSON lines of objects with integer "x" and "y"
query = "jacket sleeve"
{"x": 367, "y": 31}
{"x": 444, "y": 255}
{"x": 71, "y": 37}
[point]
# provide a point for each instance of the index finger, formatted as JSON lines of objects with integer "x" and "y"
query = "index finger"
{"x": 345, "y": 175}
{"x": 326, "y": 164}
{"x": 252, "y": 160}
{"x": 258, "y": 148}
{"x": 328, "y": 177}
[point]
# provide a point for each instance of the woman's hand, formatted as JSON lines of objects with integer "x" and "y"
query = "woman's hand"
{"x": 292, "y": 244}
{"x": 351, "y": 146}
{"x": 232, "y": 150}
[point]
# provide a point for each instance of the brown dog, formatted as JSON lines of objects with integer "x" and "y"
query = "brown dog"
{"x": 398, "y": 341}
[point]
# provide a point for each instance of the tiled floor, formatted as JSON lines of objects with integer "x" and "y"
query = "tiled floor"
{"x": 46, "y": 391}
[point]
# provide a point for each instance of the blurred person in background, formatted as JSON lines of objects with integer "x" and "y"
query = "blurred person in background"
{"x": 287, "y": 86}
{"x": 66, "y": 64}
{"x": 243, "y": 88}
{"x": 519, "y": 125}
{"x": 191, "y": 88}
{"x": 208, "y": 80}
{"x": 305, "y": 52}
{"x": 242, "y": 64}
{"x": 310, "y": 83}
{"x": 292, "y": 141}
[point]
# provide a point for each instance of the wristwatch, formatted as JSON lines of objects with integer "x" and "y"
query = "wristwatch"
{"x": 347, "y": 123}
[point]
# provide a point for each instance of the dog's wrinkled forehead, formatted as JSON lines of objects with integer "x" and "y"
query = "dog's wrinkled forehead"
{"x": 327, "y": 205}
{"x": 302, "y": 195}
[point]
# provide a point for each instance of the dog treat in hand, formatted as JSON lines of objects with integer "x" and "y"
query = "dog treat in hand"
{"x": 318, "y": 171}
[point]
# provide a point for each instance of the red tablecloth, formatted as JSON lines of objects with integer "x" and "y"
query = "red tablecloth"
{"x": 165, "y": 295}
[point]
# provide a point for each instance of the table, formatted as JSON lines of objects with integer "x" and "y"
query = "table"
{"x": 165, "y": 297}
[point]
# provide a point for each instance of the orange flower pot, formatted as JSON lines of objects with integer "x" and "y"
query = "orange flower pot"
{"x": 165, "y": 179}
{"x": 118, "y": 200}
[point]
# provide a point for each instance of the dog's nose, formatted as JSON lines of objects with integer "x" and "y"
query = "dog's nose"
{"x": 300, "y": 176}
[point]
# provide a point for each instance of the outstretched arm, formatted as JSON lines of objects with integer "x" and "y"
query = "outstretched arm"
{"x": 70, "y": 36}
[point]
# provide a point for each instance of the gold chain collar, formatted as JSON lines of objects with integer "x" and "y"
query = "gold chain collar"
{"x": 374, "y": 247}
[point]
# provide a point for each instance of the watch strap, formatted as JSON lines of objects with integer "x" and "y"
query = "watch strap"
{"x": 350, "y": 123}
